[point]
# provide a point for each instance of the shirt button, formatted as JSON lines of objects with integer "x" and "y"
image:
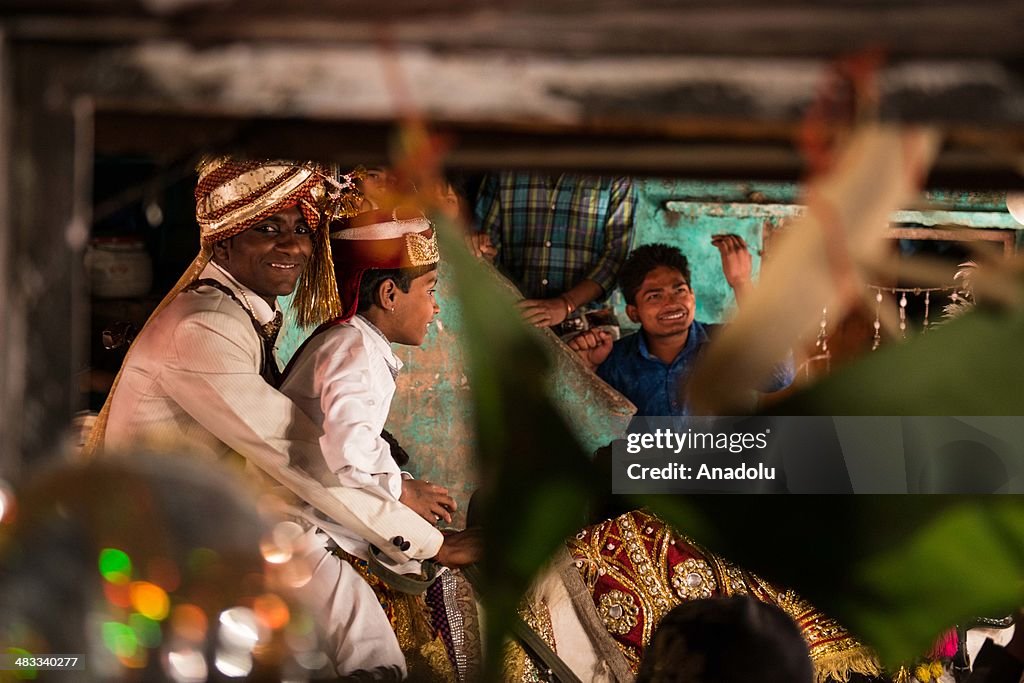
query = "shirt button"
{"x": 548, "y": 244}
{"x": 544, "y": 281}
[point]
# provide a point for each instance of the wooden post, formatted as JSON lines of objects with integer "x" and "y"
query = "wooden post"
{"x": 45, "y": 166}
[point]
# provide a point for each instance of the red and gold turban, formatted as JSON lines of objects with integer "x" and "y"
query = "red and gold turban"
{"x": 379, "y": 240}
{"x": 232, "y": 195}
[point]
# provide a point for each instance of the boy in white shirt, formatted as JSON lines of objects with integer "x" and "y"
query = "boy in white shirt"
{"x": 343, "y": 378}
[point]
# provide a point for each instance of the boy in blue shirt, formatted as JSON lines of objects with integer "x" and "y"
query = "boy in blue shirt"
{"x": 650, "y": 367}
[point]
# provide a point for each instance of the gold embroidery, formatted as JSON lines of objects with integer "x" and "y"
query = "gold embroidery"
{"x": 618, "y": 612}
{"x": 275, "y": 183}
{"x": 422, "y": 250}
{"x": 518, "y": 666}
{"x": 631, "y": 551}
{"x": 693, "y": 579}
{"x": 735, "y": 583}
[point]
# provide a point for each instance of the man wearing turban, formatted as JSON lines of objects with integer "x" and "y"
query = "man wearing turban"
{"x": 202, "y": 375}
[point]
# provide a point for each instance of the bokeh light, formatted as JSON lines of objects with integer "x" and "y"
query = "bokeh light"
{"x": 186, "y": 665}
{"x": 314, "y": 660}
{"x": 6, "y": 502}
{"x": 300, "y": 635}
{"x": 239, "y": 628}
{"x": 278, "y": 546}
{"x": 150, "y": 600}
{"x": 119, "y": 639}
{"x": 136, "y": 661}
{"x": 115, "y": 566}
{"x": 147, "y": 631}
{"x": 271, "y": 610}
{"x": 189, "y": 622}
{"x": 294, "y": 574}
{"x": 119, "y": 595}
{"x": 233, "y": 663}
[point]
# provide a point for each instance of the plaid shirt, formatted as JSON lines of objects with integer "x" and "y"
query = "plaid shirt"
{"x": 551, "y": 233}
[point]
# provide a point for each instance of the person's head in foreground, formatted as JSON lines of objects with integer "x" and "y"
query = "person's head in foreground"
{"x": 726, "y": 640}
{"x": 386, "y": 269}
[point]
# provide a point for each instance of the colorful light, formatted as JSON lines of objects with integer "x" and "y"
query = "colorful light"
{"x": 119, "y": 639}
{"x": 115, "y": 566}
{"x": 150, "y": 600}
{"x": 147, "y": 631}
{"x": 271, "y": 611}
{"x": 279, "y": 546}
{"x": 189, "y": 623}
{"x": 119, "y": 595}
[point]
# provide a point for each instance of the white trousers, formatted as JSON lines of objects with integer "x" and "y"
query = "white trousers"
{"x": 355, "y": 625}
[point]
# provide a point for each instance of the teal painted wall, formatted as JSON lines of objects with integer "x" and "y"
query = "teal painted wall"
{"x": 692, "y": 231}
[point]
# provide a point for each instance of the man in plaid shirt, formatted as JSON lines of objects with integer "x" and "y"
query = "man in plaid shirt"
{"x": 561, "y": 238}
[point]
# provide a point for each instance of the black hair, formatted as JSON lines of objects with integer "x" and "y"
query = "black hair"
{"x": 643, "y": 260}
{"x": 372, "y": 280}
{"x": 726, "y": 640}
{"x": 458, "y": 182}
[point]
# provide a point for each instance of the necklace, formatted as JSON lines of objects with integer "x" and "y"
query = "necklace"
{"x": 246, "y": 304}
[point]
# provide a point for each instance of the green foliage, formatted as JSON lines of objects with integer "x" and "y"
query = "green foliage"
{"x": 536, "y": 478}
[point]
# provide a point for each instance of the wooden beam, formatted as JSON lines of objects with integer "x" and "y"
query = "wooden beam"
{"x": 777, "y": 28}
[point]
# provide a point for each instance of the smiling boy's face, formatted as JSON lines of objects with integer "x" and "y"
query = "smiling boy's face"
{"x": 664, "y": 304}
{"x": 414, "y": 310}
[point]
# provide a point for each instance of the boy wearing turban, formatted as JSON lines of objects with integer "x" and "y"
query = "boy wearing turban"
{"x": 343, "y": 377}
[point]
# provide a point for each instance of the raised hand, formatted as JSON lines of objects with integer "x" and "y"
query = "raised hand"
{"x": 737, "y": 263}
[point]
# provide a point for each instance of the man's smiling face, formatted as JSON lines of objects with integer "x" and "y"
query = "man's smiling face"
{"x": 664, "y": 305}
{"x": 269, "y": 257}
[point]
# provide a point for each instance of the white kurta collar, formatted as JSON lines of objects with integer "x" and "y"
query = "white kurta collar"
{"x": 261, "y": 310}
{"x": 379, "y": 341}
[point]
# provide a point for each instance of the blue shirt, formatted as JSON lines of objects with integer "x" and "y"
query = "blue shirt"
{"x": 653, "y": 385}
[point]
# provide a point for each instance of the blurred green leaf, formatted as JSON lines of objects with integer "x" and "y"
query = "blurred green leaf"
{"x": 536, "y": 478}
